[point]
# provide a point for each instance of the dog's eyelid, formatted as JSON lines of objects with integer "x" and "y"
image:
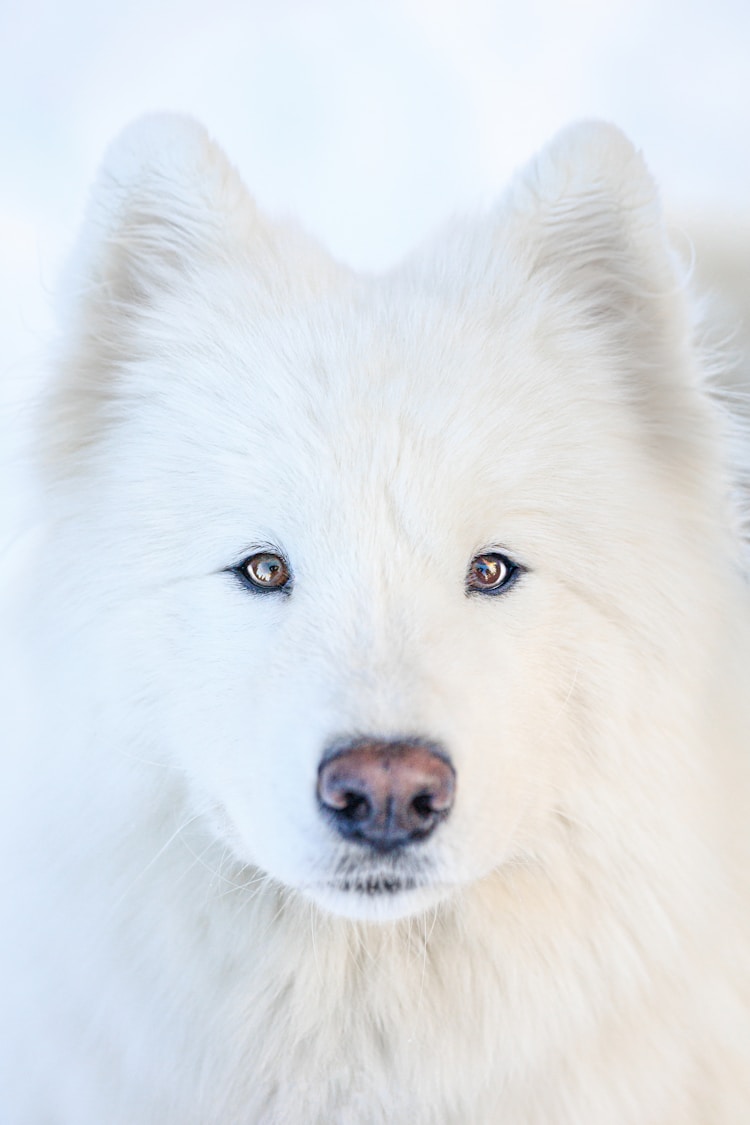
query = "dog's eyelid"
{"x": 265, "y": 570}
{"x": 492, "y": 572}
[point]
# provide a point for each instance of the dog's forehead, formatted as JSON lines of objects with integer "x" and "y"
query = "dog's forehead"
{"x": 372, "y": 384}
{"x": 386, "y": 400}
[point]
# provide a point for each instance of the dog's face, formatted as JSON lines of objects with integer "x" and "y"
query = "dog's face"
{"x": 359, "y": 552}
{"x": 361, "y": 534}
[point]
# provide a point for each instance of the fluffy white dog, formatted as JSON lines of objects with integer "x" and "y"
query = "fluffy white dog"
{"x": 377, "y": 710}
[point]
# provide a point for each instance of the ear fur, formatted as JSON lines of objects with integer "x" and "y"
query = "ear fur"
{"x": 587, "y": 230}
{"x": 167, "y": 215}
{"x": 165, "y": 198}
{"x": 599, "y": 244}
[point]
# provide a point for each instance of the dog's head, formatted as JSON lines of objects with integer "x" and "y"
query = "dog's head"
{"x": 383, "y": 561}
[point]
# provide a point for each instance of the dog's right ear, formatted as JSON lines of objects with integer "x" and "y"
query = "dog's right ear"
{"x": 165, "y": 201}
{"x": 170, "y": 232}
{"x": 168, "y": 215}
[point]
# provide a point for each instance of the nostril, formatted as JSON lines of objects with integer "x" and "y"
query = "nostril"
{"x": 423, "y": 805}
{"x": 354, "y": 807}
{"x": 342, "y": 795}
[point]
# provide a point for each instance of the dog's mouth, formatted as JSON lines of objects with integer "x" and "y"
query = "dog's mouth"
{"x": 378, "y": 896}
{"x": 383, "y": 876}
{"x": 374, "y": 885}
{"x": 360, "y": 887}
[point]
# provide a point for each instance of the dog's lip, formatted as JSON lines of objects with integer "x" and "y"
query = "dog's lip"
{"x": 374, "y": 884}
{"x": 390, "y": 875}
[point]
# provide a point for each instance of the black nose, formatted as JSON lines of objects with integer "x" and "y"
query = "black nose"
{"x": 386, "y": 794}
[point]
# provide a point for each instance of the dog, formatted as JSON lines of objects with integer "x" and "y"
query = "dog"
{"x": 376, "y": 695}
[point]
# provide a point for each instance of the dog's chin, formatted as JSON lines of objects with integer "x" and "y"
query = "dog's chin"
{"x": 381, "y": 898}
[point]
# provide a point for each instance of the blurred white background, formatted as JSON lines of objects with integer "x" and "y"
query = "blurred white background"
{"x": 371, "y": 120}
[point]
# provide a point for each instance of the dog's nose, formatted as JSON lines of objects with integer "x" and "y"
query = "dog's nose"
{"x": 386, "y": 794}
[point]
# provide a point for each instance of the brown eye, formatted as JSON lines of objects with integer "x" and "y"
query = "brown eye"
{"x": 265, "y": 571}
{"x": 491, "y": 573}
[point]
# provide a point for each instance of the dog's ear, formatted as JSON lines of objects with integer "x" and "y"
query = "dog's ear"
{"x": 587, "y": 230}
{"x": 166, "y": 207}
{"x": 165, "y": 199}
{"x": 594, "y": 235}
{"x": 169, "y": 227}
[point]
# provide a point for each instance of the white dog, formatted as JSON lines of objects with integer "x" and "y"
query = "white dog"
{"x": 377, "y": 706}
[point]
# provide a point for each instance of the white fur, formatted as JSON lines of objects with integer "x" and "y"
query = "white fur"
{"x": 576, "y": 952}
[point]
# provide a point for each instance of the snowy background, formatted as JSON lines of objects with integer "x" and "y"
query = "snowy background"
{"x": 371, "y": 121}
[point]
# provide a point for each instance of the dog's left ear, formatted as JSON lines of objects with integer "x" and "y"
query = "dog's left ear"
{"x": 583, "y": 232}
{"x": 595, "y": 239}
{"x": 585, "y": 228}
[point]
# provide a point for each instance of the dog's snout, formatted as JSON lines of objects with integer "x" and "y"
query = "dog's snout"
{"x": 386, "y": 794}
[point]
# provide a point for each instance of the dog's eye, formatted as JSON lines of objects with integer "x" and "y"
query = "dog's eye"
{"x": 265, "y": 571}
{"x": 491, "y": 573}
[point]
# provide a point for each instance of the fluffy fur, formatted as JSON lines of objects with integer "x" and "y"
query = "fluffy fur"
{"x": 570, "y": 946}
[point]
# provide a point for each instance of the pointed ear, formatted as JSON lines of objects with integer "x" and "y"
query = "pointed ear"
{"x": 594, "y": 240}
{"x": 165, "y": 198}
{"x": 169, "y": 226}
{"x": 166, "y": 209}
